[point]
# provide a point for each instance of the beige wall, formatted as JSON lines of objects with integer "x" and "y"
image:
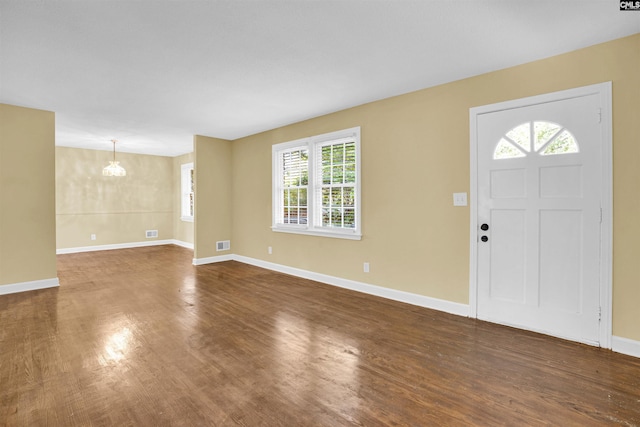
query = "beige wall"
{"x": 212, "y": 169}
{"x": 27, "y": 195}
{"x": 415, "y": 154}
{"x": 182, "y": 230}
{"x": 116, "y": 209}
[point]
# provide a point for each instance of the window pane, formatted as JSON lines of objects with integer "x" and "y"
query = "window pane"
{"x": 543, "y": 131}
{"x": 294, "y": 180}
{"x": 338, "y": 154}
{"x": 326, "y": 197}
{"x": 337, "y": 175}
{"x": 285, "y": 200}
{"x": 349, "y": 218}
{"x": 336, "y": 197}
{"x": 303, "y": 216}
{"x": 295, "y": 171}
{"x": 506, "y": 150}
{"x": 326, "y": 218}
{"x": 350, "y": 152}
{"x": 326, "y": 174}
{"x": 348, "y": 196}
{"x": 302, "y": 197}
{"x": 336, "y": 217}
{"x": 521, "y": 135}
{"x": 326, "y": 155}
{"x": 350, "y": 173}
{"x": 563, "y": 144}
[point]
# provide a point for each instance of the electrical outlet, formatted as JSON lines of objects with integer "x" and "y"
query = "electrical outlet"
{"x": 93, "y": 237}
{"x": 270, "y": 250}
{"x": 366, "y": 267}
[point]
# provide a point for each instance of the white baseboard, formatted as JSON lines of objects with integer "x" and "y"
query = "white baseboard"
{"x": 619, "y": 344}
{"x": 392, "y": 294}
{"x": 182, "y": 244}
{"x": 213, "y": 259}
{"x": 34, "y": 285}
{"x": 625, "y": 346}
{"x": 124, "y": 246}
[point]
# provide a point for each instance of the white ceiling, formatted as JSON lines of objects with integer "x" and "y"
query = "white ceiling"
{"x": 154, "y": 73}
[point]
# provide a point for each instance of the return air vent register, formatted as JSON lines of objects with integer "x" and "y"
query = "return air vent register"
{"x": 223, "y": 245}
{"x": 151, "y": 234}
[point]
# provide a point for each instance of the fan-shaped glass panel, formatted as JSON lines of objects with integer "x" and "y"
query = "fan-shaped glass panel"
{"x": 506, "y": 150}
{"x": 521, "y": 135}
{"x": 543, "y": 132}
{"x": 564, "y": 143}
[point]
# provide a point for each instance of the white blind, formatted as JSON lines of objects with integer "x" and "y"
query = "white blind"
{"x": 295, "y": 180}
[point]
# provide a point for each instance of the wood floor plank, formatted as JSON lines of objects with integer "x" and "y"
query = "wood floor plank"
{"x": 141, "y": 337}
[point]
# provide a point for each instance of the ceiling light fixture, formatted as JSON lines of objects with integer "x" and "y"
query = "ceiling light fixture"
{"x": 114, "y": 169}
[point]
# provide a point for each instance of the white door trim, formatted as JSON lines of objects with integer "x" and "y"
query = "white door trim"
{"x": 603, "y": 90}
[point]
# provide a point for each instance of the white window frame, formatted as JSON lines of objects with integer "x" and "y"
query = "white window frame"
{"x": 185, "y": 192}
{"x": 314, "y": 226}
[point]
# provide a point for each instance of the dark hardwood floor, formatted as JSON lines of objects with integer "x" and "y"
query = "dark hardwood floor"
{"x": 140, "y": 337}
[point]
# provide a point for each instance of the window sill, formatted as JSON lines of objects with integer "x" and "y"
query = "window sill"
{"x": 332, "y": 234}
{"x": 186, "y": 218}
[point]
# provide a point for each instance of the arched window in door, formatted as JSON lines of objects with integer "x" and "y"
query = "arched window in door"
{"x": 543, "y": 138}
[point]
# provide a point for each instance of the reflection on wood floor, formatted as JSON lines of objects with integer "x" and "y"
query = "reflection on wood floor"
{"x": 142, "y": 337}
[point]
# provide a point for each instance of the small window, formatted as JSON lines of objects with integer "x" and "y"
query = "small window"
{"x": 187, "y": 192}
{"x": 543, "y": 138}
{"x": 316, "y": 185}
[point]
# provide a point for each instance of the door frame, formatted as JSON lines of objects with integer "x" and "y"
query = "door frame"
{"x": 603, "y": 91}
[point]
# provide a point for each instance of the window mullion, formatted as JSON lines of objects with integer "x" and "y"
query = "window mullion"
{"x": 310, "y": 184}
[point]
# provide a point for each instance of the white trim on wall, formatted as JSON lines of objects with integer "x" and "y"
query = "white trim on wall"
{"x": 392, "y": 294}
{"x": 625, "y": 346}
{"x": 124, "y": 246}
{"x": 34, "y": 285}
{"x": 213, "y": 259}
{"x": 181, "y": 243}
{"x": 619, "y": 344}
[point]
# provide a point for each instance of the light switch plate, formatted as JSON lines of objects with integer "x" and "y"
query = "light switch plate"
{"x": 459, "y": 199}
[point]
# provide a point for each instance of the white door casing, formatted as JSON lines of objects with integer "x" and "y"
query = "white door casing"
{"x": 546, "y": 265}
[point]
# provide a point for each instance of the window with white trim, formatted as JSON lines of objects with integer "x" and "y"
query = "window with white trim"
{"x": 186, "y": 192}
{"x": 316, "y": 185}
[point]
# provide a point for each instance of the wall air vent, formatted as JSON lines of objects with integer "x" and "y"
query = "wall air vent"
{"x": 152, "y": 234}
{"x": 223, "y": 245}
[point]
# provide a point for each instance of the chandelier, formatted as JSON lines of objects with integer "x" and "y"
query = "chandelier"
{"x": 114, "y": 169}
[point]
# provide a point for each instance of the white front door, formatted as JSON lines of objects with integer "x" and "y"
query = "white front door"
{"x": 539, "y": 209}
